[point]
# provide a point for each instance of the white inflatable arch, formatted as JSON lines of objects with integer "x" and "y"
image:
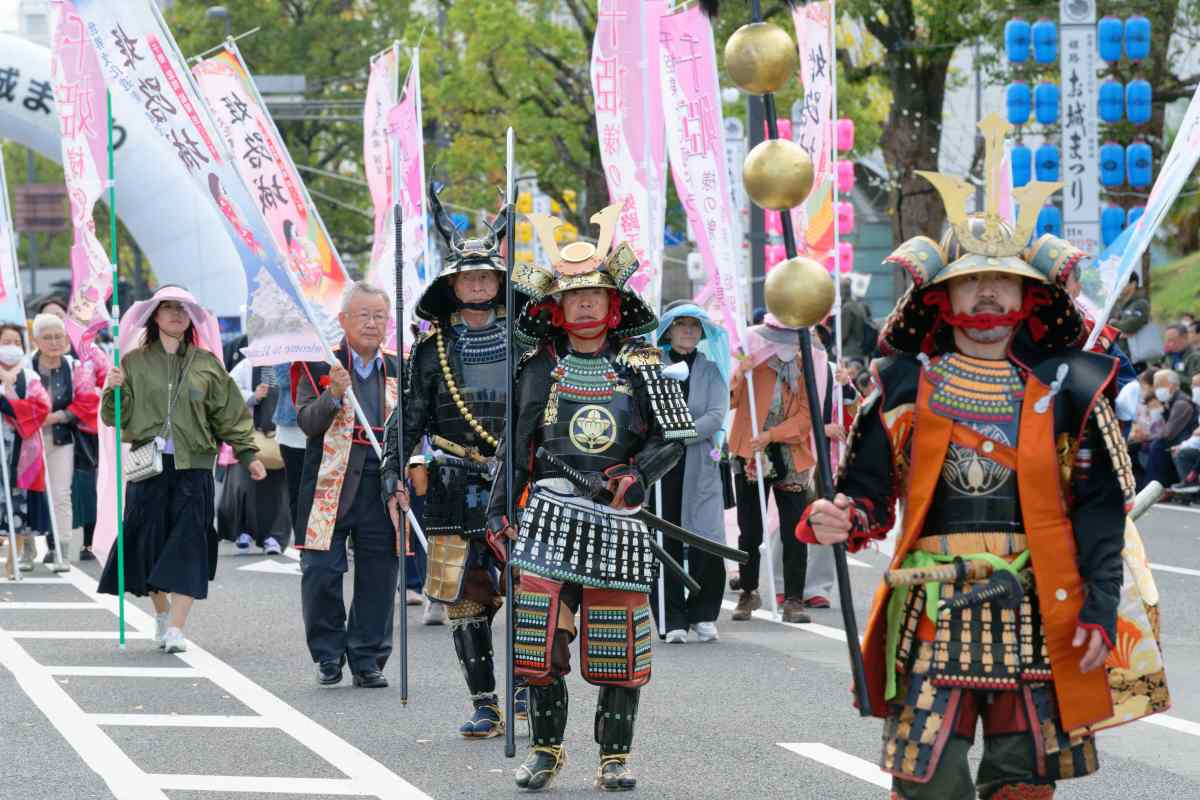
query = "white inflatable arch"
{"x": 177, "y": 229}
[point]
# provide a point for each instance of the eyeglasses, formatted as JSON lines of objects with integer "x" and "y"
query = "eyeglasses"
{"x": 363, "y": 317}
{"x": 53, "y": 337}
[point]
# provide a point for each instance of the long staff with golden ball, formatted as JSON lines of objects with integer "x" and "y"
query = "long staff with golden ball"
{"x": 778, "y": 175}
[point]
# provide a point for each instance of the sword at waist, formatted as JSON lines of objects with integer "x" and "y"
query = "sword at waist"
{"x": 455, "y": 449}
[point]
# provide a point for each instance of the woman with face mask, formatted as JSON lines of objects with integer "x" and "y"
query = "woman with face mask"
{"x": 24, "y": 406}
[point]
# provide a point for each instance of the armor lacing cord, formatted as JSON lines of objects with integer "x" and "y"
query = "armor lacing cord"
{"x": 455, "y": 395}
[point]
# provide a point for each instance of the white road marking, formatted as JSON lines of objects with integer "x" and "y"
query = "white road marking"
{"x": 843, "y": 762}
{"x": 181, "y": 721}
{"x": 810, "y": 627}
{"x": 244, "y": 783}
{"x": 1173, "y": 723}
{"x": 129, "y": 634}
{"x": 368, "y": 775}
{"x": 40, "y": 581}
{"x": 49, "y": 606}
{"x": 1174, "y": 507}
{"x": 125, "y": 672}
{"x": 269, "y": 565}
{"x": 1177, "y": 570}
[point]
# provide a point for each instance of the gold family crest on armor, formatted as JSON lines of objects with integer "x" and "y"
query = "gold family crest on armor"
{"x": 593, "y": 429}
{"x": 972, "y": 473}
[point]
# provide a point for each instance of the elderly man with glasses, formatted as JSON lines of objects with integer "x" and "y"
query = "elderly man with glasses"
{"x": 339, "y": 495}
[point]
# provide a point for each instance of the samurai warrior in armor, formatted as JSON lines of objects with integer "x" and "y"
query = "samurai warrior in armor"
{"x": 1008, "y": 601}
{"x": 596, "y": 401}
{"x": 455, "y": 396}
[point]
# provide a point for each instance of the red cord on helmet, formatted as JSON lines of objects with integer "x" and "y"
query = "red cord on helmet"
{"x": 611, "y": 321}
{"x": 1034, "y": 296}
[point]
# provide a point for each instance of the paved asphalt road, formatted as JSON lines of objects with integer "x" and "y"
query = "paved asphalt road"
{"x": 764, "y": 713}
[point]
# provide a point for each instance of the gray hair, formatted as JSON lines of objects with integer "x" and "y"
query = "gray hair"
{"x": 46, "y": 322}
{"x": 363, "y": 287}
{"x": 1171, "y": 375}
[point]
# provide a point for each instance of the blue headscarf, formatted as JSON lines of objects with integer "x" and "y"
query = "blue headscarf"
{"x": 714, "y": 345}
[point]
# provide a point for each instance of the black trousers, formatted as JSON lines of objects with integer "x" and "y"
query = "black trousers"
{"x": 293, "y": 468}
{"x": 791, "y": 506}
{"x": 365, "y": 638}
{"x": 707, "y": 570}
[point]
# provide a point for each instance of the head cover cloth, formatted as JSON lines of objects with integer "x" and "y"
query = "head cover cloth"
{"x": 714, "y": 345}
{"x": 580, "y": 265}
{"x": 133, "y": 321}
{"x": 986, "y": 242}
{"x": 462, "y": 255}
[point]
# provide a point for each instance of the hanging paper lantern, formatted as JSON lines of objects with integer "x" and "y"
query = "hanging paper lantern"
{"x": 1137, "y": 37}
{"x": 1022, "y": 165}
{"x": 1110, "y": 36}
{"x": 1045, "y": 103}
{"x": 1112, "y": 222}
{"x": 1112, "y": 164}
{"x": 1134, "y": 215}
{"x": 1017, "y": 35}
{"x": 1045, "y": 41}
{"x": 846, "y": 256}
{"x": 845, "y": 176}
{"x": 773, "y": 254}
{"x": 1112, "y": 101}
{"x": 1019, "y": 100}
{"x": 1138, "y": 99}
{"x": 1048, "y": 163}
{"x": 1139, "y": 164}
{"x": 845, "y": 217}
{"x": 845, "y": 135}
{"x": 1049, "y": 220}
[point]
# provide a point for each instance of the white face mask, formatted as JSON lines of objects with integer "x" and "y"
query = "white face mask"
{"x": 1196, "y": 395}
{"x": 1163, "y": 395}
{"x": 10, "y": 354}
{"x": 1155, "y": 414}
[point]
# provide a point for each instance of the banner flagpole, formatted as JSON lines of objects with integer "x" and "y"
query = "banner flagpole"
{"x": 836, "y": 388}
{"x": 510, "y": 246}
{"x": 13, "y": 557}
{"x": 116, "y": 326}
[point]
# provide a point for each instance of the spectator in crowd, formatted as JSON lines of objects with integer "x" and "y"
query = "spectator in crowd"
{"x": 1191, "y": 358}
{"x": 256, "y": 512}
{"x": 1175, "y": 347}
{"x": 71, "y": 386}
{"x": 784, "y": 446}
{"x": 174, "y": 387}
{"x": 691, "y": 492}
{"x": 1188, "y": 320}
{"x": 857, "y": 329}
{"x": 1132, "y": 311}
{"x": 1186, "y": 456}
{"x": 291, "y": 441}
{"x": 340, "y": 464}
{"x": 24, "y": 406}
{"x": 1179, "y": 415}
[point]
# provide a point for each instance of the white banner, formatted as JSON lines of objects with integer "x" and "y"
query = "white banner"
{"x": 1080, "y": 125}
{"x": 12, "y": 305}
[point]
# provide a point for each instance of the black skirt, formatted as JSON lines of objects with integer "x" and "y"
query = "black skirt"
{"x": 170, "y": 545}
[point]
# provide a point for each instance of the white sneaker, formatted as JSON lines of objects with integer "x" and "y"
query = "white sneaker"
{"x": 413, "y": 598}
{"x": 677, "y": 636}
{"x": 160, "y": 628}
{"x": 706, "y": 631}
{"x": 434, "y": 613}
{"x": 173, "y": 641}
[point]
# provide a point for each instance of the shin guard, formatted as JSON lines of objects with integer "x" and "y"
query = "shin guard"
{"x": 548, "y": 713}
{"x": 473, "y": 645}
{"x": 616, "y": 712}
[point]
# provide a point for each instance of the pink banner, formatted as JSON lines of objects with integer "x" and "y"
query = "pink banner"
{"x": 263, "y": 162}
{"x": 393, "y": 139}
{"x": 630, "y": 125}
{"x": 695, "y": 127}
{"x": 81, "y": 100}
{"x": 814, "y": 129}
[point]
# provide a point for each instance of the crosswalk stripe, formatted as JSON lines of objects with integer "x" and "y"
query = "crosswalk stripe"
{"x": 1176, "y": 570}
{"x": 72, "y": 606}
{"x": 244, "y": 783}
{"x": 843, "y": 762}
{"x": 828, "y": 632}
{"x": 1173, "y": 723}
{"x": 124, "y": 672}
{"x": 181, "y": 721}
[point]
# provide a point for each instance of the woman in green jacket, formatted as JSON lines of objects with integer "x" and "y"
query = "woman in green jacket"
{"x": 178, "y": 394}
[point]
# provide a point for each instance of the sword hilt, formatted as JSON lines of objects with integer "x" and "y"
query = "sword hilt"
{"x": 589, "y": 484}
{"x": 1004, "y": 587}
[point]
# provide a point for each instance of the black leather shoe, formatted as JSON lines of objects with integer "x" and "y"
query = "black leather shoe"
{"x": 329, "y": 673}
{"x": 371, "y": 679}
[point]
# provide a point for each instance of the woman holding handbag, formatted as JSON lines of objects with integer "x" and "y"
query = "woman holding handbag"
{"x": 177, "y": 404}
{"x": 257, "y": 512}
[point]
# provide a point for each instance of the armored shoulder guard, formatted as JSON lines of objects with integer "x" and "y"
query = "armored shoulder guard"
{"x": 666, "y": 398}
{"x": 414, "y": 351}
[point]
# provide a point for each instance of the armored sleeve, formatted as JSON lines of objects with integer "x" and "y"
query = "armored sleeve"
{"x": 658, "y": 453}
{"x": 418, "y": 399}
{"x": 1101, "y": 479}
{"x": 533, "y": 389}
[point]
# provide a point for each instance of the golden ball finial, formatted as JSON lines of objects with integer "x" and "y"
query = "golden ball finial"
{"x": 778, "y": 174}
{"x": 761, "y": 57}
{"x": 799, "y": 292}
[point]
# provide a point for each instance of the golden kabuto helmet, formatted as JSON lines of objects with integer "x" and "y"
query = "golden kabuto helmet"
{"x": 580, "y": 265}
{"x": 463, "y": 255}
{"x": 986, "y": 242}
